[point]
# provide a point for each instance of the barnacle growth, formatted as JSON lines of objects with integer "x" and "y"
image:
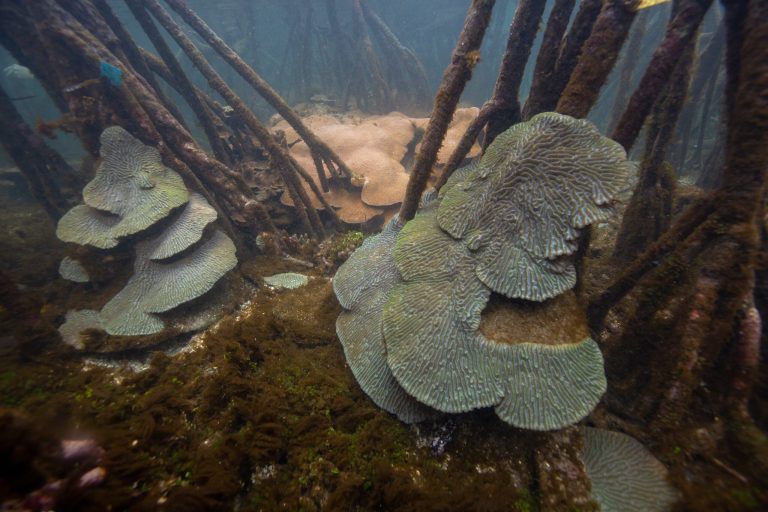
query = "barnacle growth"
{"x": 508, "y": 225}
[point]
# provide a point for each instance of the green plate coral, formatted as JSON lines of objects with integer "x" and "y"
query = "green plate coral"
{"x": 509, "y": 225}
{"x": 131, "y": 190}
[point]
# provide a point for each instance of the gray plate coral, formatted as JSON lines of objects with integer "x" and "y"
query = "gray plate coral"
{"x": 625, "y": 476}
{"x": 508, "y": 225}
{"x": 130, "y": 192}
{"x": 362, "y": 286}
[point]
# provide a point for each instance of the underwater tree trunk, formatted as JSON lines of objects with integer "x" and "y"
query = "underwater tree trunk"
{"x": 597, "y": 58}
{"x": 465, "y": 56}
{"x": 546, "y": 60}
{"x": 47, "y": 173}
{"x": 318, "y": 148}
{"x": 503, "y": 109}
{"x": 343, "y": 61}
{"x": 679, "y": 33}
{"x": 691, "y": 292}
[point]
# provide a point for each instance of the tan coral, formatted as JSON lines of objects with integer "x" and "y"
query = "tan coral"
{"x": 372, "y": 148}
{"x": 459, "y": 124}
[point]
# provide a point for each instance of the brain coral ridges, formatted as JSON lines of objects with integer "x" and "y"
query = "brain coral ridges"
{"x": 521, "y": 208}
{"x": 508, "y": 225}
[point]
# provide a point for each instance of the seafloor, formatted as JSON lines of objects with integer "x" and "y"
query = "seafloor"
{"x": 259, "y": 413}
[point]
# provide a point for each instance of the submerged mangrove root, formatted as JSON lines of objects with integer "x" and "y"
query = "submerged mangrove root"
{"x": 628, "y": 69}
{"x": 546, "y": 61}
{"x": 47, "y": 173}
{"x": 184, "y": 85}
{"x": 597, "y": 58}
{"x": 321, "y": 151}
{"x": 277, "y": 155}
{"x": 522, "y": 32}
{"x": 382, "y": 93}
{"x": 691, "y": 318}
{"x": 399, "y": 57}
{"x": 238, "y": 140}
{"x": 133, "y": 52}
{"x": 650, "y": 208}
{"x": 133, "y": 104}
{"x": 570, "y": 51}
{"x": 465, "y": 56}
{"x": 679, "y": 34}
{"x": 503, "y": 109}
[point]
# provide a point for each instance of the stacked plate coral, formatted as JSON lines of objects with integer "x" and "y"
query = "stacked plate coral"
{"x": 468, "y": 305}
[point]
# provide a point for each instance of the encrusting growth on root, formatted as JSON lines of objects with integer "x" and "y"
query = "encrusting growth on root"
{"x": 464, "y": 58}
{"x": 503, "y": 109}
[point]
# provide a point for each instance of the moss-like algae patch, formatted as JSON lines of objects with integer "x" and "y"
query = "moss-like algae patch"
{"x": 264, "y": 415}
